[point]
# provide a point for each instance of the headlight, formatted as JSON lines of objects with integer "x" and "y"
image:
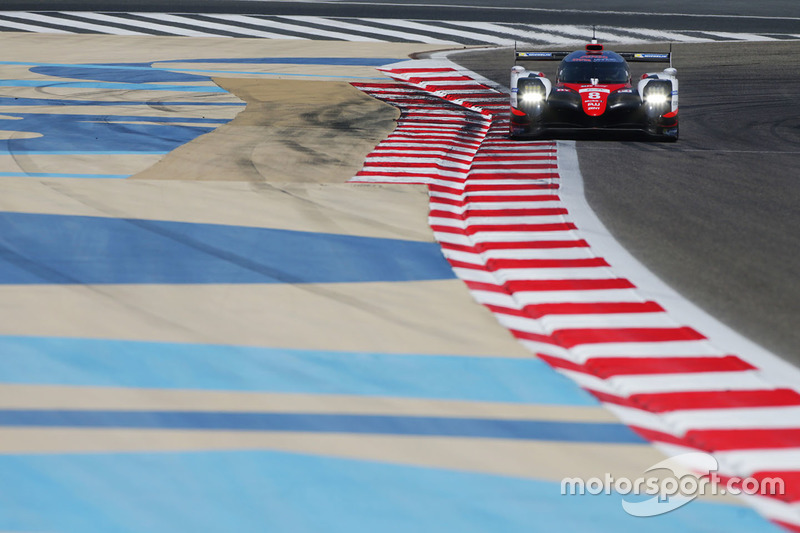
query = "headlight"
{"x": 532, "y": 97}
{"x": 656, "y": 98}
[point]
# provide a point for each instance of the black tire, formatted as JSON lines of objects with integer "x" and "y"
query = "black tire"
{"x": 670, "y": 137}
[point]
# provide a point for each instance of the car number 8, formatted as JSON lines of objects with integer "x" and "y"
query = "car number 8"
{"x": 594, "y": 96}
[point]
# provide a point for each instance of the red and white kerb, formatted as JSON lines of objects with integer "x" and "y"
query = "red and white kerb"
{"x": 496, "y": 211}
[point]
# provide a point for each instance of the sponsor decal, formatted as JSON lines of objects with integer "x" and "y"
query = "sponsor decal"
{"x": 534, "y": 54}
{"x": 594, "y": 100}
{"x": 596, "y": 58}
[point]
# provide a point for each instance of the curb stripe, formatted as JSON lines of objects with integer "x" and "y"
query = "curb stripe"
{"x": 615, "y": 366}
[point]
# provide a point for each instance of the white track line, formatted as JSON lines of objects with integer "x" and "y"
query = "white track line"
{"x": 662, "y": 35}
{"x": 82, "y": 25}
{"x": 410, "y": 37}
{"x": 30, "y": 27}
{"x": 517, "y": 34}
{"x": 230, "y": 28}
{"x": 128, "y": 22}
{"x": 740, "y": 36}
{"x": 255, "y": 21}
{"x": 442, "y": 30}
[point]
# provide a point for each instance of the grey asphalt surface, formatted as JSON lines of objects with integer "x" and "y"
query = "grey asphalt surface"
{"x": 716, "y": 215}
{"x": 767, "y": 16}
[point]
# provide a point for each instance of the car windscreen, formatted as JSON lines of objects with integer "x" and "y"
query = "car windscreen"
{"x": 585, "y": 71}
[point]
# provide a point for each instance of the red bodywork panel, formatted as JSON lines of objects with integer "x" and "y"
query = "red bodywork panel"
{"x": 595, "y": 97}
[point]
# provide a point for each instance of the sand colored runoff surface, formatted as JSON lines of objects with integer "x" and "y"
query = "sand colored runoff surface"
{"x": 290, "y": 131}
{"x": 297, "y": 133}
{"x": 427, "y": 317}
{"x": 364, "y": 209}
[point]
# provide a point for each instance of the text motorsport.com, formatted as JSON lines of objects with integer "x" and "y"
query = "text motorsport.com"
{"x": 674, "y": 489}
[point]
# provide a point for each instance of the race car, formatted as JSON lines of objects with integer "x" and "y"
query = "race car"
{"x": 593, "y": 91}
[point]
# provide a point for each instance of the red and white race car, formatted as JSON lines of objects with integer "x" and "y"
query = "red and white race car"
{"x": 593, "y": 90}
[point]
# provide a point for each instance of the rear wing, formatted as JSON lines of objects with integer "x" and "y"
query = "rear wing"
{"x": 647, "y": 57}
{"x": 633, "y": 57}
{"x": 540, "y": 56}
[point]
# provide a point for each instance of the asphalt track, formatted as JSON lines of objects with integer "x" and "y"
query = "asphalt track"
{"x": 778, "y": 16}
{"x": 715, "y": 215}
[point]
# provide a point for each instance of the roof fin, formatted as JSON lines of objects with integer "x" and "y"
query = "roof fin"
{"x": 594, "y": 47}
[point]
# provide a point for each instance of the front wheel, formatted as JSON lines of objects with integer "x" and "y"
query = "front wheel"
{"x": 668, "y": 134}
{"x": 658, "y": 132}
